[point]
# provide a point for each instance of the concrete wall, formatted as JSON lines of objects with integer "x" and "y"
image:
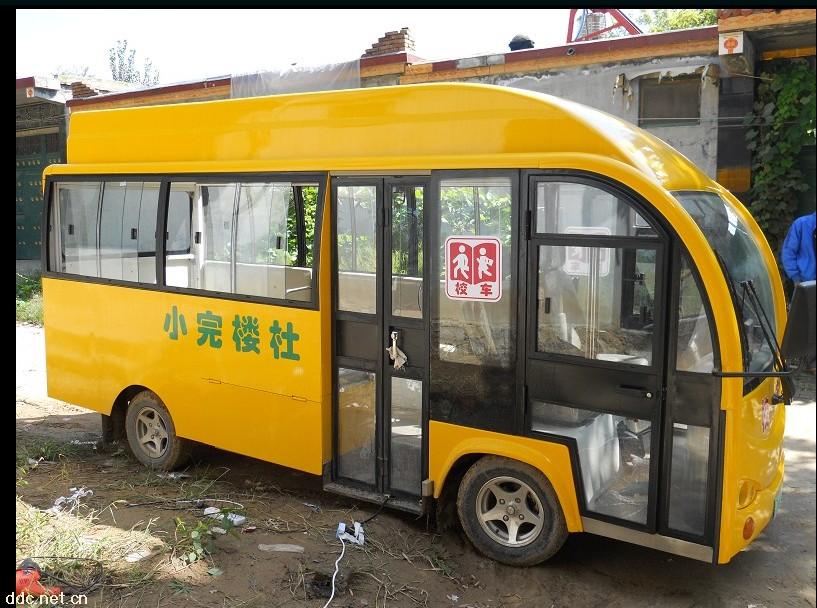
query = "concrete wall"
{"x": 594, "y": 86}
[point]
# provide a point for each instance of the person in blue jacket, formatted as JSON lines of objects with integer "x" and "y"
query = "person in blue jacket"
{"x": 798, "y": 254}
{"x": 798, "y": 257}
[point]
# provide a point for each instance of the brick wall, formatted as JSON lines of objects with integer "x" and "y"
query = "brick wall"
{"x": 725, "y": 13}
{"x": 392, "y": 42}
{"x": 80, "y": 90}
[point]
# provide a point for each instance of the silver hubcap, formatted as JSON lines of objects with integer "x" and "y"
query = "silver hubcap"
{"x": 151, "y": 432}
{"x": 509, "y": 511}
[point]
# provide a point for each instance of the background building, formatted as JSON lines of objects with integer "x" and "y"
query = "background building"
{"x": 692, "y": 88}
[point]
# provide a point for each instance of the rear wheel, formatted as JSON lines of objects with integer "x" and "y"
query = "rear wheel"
{"x": 510, "y": 512}
{"x": 151, "y": 434}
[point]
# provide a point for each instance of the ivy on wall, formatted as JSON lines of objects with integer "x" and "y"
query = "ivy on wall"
{"x": 782, "y": 123}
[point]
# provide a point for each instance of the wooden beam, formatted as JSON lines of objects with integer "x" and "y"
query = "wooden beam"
{"x": 807, "y": 51}
{"x": 768, "y": 19}
{"x": 421, "y": 73}
{"x": 221, "y": 92}
{"x": 382, "y": 70}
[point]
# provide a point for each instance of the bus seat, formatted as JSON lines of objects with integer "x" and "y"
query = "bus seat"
{"x": 596, "y": 439}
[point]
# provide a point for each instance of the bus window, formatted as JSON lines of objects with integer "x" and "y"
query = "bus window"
{"x": 357, "y": 248}
{"x": 127, "y": 231}
{"x": 694, "y": 362}
{"x": 78, "y": 203}
{"x": 476, "y": 332}
{"x": 252, "y": 239}
{"x": 614, "y": 456}
{"x": 576, "y": 208}
{"x": 180, "y": 269}
{"x": 217, "y": 205}
{"x": 261, "y": 239}
{"x": 694, "y": 353}
{"x": 596, "y": 302}
{"x": 741, "y": 261}
{"x": 407, "y": 251}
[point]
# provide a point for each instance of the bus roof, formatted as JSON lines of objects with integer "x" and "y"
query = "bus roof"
{"x": 408, "y": 127}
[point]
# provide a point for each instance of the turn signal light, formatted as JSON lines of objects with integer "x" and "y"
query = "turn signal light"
{"x": 748, "y": 528}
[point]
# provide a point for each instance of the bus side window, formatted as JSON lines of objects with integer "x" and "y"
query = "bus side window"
{"x": 252, "y": 239}
{"x": 181, "y": 267}
{"x": 78, "y": 205}
{"x": 127, "y": 228}
{"x": 695, "y": 353}
{"x": 273, "y": 248}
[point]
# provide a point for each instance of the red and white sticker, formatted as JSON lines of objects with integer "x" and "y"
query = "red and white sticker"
{"x": 473, "y": 268}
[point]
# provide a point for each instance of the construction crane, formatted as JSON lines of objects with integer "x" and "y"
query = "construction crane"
{"x": 592, "y": 20}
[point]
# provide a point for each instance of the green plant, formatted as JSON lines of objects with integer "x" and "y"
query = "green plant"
{"x": 28, "y": 286}
{"x": 30, "y": 311}
{"x": 782, "y": 123}
{"x": 180, "y": 587}
{"x": 29, "y": 299}
{"x": 195, "y": 543}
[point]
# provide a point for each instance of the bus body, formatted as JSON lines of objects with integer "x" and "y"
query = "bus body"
{"x": 590, "y": 364}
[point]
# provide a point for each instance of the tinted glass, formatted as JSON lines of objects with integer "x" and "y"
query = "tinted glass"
{"x": 735, "y": 244}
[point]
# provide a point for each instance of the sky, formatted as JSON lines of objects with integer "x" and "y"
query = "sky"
{"x": 191, "y": 44}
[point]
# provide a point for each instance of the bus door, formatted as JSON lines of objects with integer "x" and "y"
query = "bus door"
{"x": 595, "y": 344}
{"x": 380, "y": 324}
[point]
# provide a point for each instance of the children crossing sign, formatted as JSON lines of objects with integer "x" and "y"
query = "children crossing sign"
{"x": 473, "y": 268}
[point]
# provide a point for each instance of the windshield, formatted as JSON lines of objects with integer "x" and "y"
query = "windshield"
{"x": 740, "y": 257}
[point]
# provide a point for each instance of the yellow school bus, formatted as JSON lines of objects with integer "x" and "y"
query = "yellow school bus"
{"x": 499, "y": 303}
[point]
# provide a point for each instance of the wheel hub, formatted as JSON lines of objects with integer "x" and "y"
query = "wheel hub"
{"x": 509, "y": 511}
{"x": 151, "y": 432}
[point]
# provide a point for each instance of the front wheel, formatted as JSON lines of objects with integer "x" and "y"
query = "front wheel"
{"x": 152, "y": 435}
{"x": 510, "y": 512}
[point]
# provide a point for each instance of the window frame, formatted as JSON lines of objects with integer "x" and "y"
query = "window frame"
{"x": 658, "y": 242}
{"x": 165, "y": 181}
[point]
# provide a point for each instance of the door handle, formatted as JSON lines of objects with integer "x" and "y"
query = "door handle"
{"x": 395, "y": 354}
{"x": 634, "y": 391}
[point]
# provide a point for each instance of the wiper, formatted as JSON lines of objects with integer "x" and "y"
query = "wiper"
{"x": 781, "y": 371}
{"x": 765, "y": 324}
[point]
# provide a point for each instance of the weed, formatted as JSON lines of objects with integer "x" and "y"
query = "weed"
{"x": 46, "y": 449}
{"x": 81, "y": 536}
{"x": 30, "y": 311}
{"x": 28, "y": 286}
{"x": 180, "y": 587}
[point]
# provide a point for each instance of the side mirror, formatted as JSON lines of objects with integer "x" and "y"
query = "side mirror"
{"x": 799, "y": 338}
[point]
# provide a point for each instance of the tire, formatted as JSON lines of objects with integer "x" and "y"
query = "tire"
{"x": 149, "y": 418}
{"x": 529, "y": 500}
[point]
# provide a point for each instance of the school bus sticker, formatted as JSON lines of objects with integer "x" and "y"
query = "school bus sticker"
{"x": 473, "y": 268}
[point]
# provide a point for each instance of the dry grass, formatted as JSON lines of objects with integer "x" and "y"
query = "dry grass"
{"x": 57, "y": 541}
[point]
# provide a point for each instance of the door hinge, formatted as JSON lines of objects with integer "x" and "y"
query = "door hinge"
{"x": 527, "y": 224}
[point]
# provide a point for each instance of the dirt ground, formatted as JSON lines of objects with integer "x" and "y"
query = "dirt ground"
{"x": 401, "y": 563}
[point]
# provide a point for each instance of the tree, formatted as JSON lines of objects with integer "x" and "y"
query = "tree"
{"x": 123, "y": 69}
{"x": 71, "y": 71}
{"x": 665, "y": 19}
